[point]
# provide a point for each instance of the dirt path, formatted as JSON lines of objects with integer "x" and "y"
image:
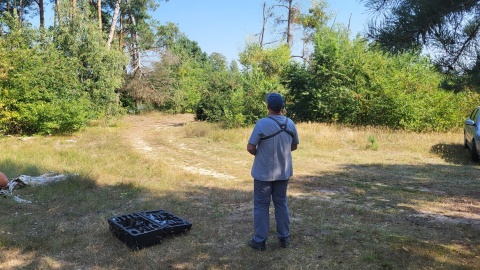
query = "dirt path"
{"x": 159, "y": 136}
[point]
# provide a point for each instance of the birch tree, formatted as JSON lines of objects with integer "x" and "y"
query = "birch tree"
{"x": 114, "y": 23}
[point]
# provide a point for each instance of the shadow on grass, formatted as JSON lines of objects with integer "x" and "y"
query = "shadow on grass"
{"x": 12, "y": 169}
{"x": 361, "y": 217}
{"x": 453, "y": 153}
{"x": 393, "y": 216}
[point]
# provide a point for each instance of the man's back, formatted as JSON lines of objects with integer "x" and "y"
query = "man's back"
{"x": 273, "y": 158}
{"x": 272, "y": 141}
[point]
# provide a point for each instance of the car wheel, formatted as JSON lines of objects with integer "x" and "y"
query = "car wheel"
{"x": 474, "y": 151}
{"x": 465, "y": 143}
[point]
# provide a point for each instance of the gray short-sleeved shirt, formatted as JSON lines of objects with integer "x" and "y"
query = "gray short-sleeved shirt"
{"x": 273, "y": 158}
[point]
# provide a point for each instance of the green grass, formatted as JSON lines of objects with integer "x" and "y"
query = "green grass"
{"x": 413, "y": 203}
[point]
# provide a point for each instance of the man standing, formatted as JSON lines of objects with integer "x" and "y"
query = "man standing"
{"x": 272, "y": 141}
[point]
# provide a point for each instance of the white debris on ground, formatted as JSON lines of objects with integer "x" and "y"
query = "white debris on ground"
{"x": 26, "y": 180}
{"x": 50, "y": 177}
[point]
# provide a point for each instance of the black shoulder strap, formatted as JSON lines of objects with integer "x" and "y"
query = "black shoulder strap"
{"x": 283, "y": 127}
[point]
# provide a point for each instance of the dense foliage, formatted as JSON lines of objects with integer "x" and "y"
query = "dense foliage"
{"x": 349, "y": 82}
{"x": 34, "y": 97}
{"x": 56, "y": 80}
{"x": 449, "y": 29}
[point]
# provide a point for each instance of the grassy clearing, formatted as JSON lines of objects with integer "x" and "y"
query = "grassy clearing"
{"x": 361, "y": 198}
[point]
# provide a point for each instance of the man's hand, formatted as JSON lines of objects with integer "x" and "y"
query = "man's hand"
{"x": 294, "y": 146}
{"x": 252, "y": 149}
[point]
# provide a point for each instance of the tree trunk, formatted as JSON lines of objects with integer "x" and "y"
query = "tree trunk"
{"x": 41, "y": 10}
{"x": 292, "y": 13}
{"x": 135, "y": 51}
{"x": 99, "y": 10}
{"x": 114, "y": 23}
{"x": 120, "y": 36}
{"x": 20, "y": 13}
{"x": 262, "y": 33}
{"x": 289, "y": 23}
{"x": 57, "y": 9}
{"x": 267, "y": 15}
{"x": 74, "y": 9}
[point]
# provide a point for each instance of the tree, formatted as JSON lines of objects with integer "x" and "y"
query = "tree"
{"x": 21, "y": 8}
{"x": 353, "y": 82}
{"x": 41, "y": 12}
{"x": 114, "y": 23}
{"x": 167, "y": 35}
{"x": 135, "y": 24}
{"x": 176, "y": 80}
{"x": 316, "y": 18}
{"x": 99, "y": 13}
{"x": 100, "y": 70}
{"x": 267, "y": 14}
{"x": 290, "y": 20}
{"x": 270, "y": 61}
{"x": 448, "y": 29}
{"x": 292, "y": 13}
{"x": 131, "y": 22}
{"x": 191, "y": 74}
{"x": 39, "y": 87}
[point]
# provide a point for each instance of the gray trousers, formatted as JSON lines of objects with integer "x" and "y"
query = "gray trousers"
{"x": 277, "y": 191}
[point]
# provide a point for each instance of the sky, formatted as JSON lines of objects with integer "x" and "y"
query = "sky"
{"x": 225, "y": 26}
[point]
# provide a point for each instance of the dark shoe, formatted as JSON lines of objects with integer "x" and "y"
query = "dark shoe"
{"x": 257, "y": 245}
{"x": 284, "y": 242}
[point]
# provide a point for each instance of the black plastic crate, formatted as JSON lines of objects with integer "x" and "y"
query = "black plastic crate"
{"x": 171, "y": 224}
{"x": 143, "y": 229}
{"x": 136, "y": 231}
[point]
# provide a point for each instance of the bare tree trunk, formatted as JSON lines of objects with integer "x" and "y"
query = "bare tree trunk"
{"x": 267, "y": 14}
{"x": 74, "y": 9}
{"x": 289, "y": 23}
{"x": 41, "y": 13}
{"x": 135, "y": 50}
{"x": 114, "y": 23}
{"x": 120, "y": 37}
{"x": 41, "y": 10}
{"x": 264, "y": 23}
{"x": 292, "y": 14}
{"x": 20, "y": 13}
{"x": 99, "y": 10}
{"x": 57, "y": 9}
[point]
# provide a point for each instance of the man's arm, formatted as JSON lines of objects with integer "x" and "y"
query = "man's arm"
{"x": 252, "y": 149}
{"x": 294, "y": 146}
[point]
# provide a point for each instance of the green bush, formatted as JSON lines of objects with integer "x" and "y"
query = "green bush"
{"x": 40, "y": 92}
{"x": 349, "y": 81}
{"x": 236, "y": 98}
{"x": 55, "y": 81}
{"x": 223, "y": 99}
{"x": 99, "y": 70}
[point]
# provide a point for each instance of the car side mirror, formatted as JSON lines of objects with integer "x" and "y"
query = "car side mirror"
{"x": 469, "y": 122}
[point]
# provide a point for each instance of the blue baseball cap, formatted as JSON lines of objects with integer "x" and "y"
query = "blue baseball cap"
{"x": 275, "y": 101}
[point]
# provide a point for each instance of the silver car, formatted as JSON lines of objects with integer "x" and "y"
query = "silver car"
{"x": 471, "y": 133}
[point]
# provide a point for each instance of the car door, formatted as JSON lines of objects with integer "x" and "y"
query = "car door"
{"x": 471, "y": 129}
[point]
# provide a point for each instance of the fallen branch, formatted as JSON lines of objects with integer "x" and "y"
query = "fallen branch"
{"x": 26, "y": 180}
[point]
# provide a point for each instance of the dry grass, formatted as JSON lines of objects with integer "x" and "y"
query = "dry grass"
{"x": 361, "y": 198}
